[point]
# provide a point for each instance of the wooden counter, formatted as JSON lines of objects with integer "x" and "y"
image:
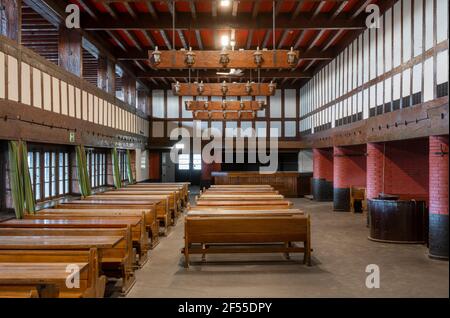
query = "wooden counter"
{"x": 284, "y": 182}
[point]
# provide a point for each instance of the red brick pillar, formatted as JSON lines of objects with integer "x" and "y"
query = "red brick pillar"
{"x": 322, "y": 182}
{"x": 375, "y": 162}
{"x": 438, "y": 185}
{"x": 349, "y": 169}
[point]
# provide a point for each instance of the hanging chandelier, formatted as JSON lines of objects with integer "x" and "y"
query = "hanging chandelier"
{"x": 224, "y": 105}
{"x": 224, "y": 89}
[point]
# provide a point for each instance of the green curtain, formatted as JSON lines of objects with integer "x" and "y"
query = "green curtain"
{"x": 129, "y": 169}
{"x": 15, "y": 179}
{"x": 116, "y": 171}
{"x": 82, "y": 173}
{"x": 27, "y": 187}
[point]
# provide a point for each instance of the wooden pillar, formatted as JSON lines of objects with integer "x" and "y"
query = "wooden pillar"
{"x": 11, "y": 19}
{"x": 132, "y": 91}
{"x": 70, "y": 50}
{"x": 106, "y": 75}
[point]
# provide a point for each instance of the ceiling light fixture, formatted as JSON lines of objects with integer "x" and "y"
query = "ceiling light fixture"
{"x": 225, "y": 3}
{"x": 225, "y": 40}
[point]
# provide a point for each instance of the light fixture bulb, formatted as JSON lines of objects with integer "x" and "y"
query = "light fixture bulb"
{"x": 225, "y": 40}
{"x": 225, "y": 3}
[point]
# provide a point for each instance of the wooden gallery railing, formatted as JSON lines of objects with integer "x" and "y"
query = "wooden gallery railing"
{"x": 30, "y": 79}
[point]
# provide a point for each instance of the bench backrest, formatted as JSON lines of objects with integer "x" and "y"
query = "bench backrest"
{"x": 246, "y": 229}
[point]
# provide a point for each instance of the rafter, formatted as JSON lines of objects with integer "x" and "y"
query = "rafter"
{"x": 199, "y": 39}
{"x": 151, "y": 9}
{"x": 129, "y": 9}
{"x": 339, "y": 8}
{"x": 117, "y": 40}
{"x": 166, "y": 39}
{"x": 133, "y": 39}
{"x": 249, "y": 39}
{"x": 193, "y": 9}
{"x": 318, "y": 8}
{"x": 315, "y": 39}
{"x": 255, "y": 9}
{"x": 182, "y": 39}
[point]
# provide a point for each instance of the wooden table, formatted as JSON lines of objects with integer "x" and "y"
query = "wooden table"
{"x": 45, "y": 276}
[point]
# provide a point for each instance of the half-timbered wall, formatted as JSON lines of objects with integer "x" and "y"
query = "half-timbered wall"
{"x": 282, "y": 113}
{"x": 29, "y": 79}
{"x": 401, "y": 63}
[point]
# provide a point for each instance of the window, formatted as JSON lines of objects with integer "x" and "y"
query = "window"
{"x": 197, "y": 161}
{"x": 49, "y": 172}
{"x": 183, "y": 161}
{"x": 123, "y": 162}
{"x": 96, "y": 165}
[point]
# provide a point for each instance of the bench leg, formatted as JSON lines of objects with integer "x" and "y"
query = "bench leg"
{"x": 186, "y": 256}
{"x": 203, "y": 255}
{"x": 287, "y": 244}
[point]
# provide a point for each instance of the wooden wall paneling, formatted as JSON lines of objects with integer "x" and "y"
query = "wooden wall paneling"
{"x": 70, "y": 50}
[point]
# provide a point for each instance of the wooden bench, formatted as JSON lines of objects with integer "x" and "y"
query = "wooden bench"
{"x": 358, "y": 194}
{"x": 247, "y": 234}
{"x": 234, "y": 213}
{"x": 31, "y": 274}
{"x": 238, "y": 191}
{"x": 106, "y": 202}
{"x": 139, "y": 234}
{"x": 184, "y": 185}
{"x": 69, "y": 220}
{"x": 244, "y": 205}
{"x": 241, "y": 186}
{"x": 177, "y": 190}
{"x": 115, "y": 252}
{"x": 241, "y": 197}
{"x": 144, "y": 195}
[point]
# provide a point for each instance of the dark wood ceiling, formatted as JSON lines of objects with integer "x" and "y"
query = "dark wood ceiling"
{"x": 318, "y": 29}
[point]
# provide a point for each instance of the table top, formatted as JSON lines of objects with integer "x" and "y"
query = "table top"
{"x": 37, "y": 273}
{"x": 104, "y": 200}
{"x": 58, "y": 242}
{"x": 71, "y": 221}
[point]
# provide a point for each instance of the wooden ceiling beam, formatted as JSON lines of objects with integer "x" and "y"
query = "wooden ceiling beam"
{"x": 204, "y": 21}
{"x": 212, "y": 74}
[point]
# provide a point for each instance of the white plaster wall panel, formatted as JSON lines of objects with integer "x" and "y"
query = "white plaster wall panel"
{"x": 418, "y": 28}
{"x": 380, "y": 48}
{"x": 25, "y": 84}
{"x": 290, "y": 103}
{"x": 442, "y": 67}
{"x": 101, "y": 109}
{"x": 37, "y": 88}
{"x": 441, "y": 20}
{"x": 373, "y": 54}
{"x": 56, "y": 98}
{"x": 417, "y": 78}
{"x": 85, "y": 105}
{"x": 95, "y": 109}
{"x": 71, "y": 97}
{"x": 380, "y": 95}
{"x": 2, "y": 76}
{"x": 172, "y": 105}
{"x": 13, "y": 79}
{"x": 366, "y": 103}
{"x": 366, "y": 55}
{"x": 397, "y": 18}
{"x": 275, "y": 105}
{"x": 429, "y": 34}
{"x": 406, "y": 84}
{"x": 388, "y": 90}
{"x": 158, "y": 103}
{"x": 388, "y": 40}
{"x": 64, "y": 102}
{"x": 396, "y": 87}
{"x": 90, "y": 108}
{"x": 428, "y": 80}
{"x": 407, "y": 30}
{"x": 78, "y": 103}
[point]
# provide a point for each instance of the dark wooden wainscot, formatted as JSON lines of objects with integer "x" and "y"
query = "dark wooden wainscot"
{"x": 285, "y": 182}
